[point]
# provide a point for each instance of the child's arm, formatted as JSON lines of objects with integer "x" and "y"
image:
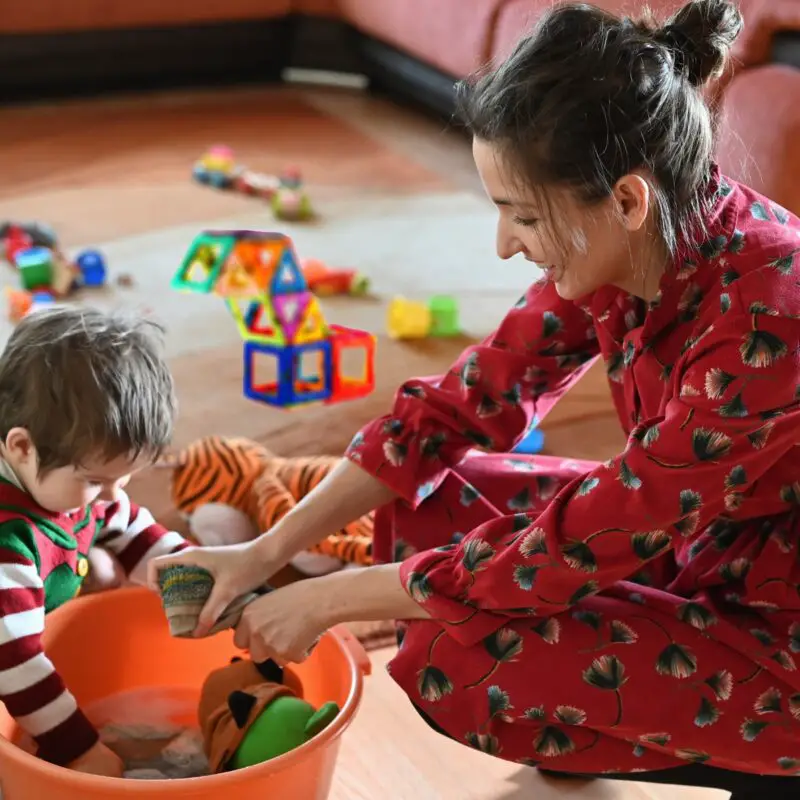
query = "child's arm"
{"x": 134, "y": 537}
{"x": 30, "y": 687}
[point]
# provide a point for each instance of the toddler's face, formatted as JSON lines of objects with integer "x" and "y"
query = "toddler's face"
{"x": 69, "y": 488}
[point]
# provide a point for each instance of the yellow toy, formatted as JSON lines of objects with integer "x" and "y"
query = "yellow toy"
{"x": 231, "y": 490}
{"x": 410, "y": 319}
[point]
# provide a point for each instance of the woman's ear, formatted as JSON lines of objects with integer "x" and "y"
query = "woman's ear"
{"x": 632, "y": 197}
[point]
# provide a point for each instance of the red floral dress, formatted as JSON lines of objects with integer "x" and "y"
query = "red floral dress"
{"x": 631, "y": 615}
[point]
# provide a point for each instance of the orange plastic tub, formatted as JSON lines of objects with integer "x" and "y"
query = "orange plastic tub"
{"x": 118, "y": 643}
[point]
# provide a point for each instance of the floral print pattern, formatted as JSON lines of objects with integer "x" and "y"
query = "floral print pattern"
{"x": 565, "y": 596}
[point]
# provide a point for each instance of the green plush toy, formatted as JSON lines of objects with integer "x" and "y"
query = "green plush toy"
{"x": 248, "y": 715}
{"x": 286, "y": 723}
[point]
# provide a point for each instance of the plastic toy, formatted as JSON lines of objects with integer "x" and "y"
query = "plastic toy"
{"x": 216, "y": 167}
{"x": 531, "y": 443}
{"x": 291, "y": 201}
{"x": 29, "y": 234}
{"x": 325, "y": 281}
{"x": 278, "y": 317}
{"x": 248, "y": 715}
{"x": 292, "y": 204}
{"x": 409, "y": 319}
{"x": 21, "y": 302}
{"x": 257, "y": 184}
{"x": 92, "y": 268}
{"x": 35, "y": 267}
{"x": 15, "y": 241}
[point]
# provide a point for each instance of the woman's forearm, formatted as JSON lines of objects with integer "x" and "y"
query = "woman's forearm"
{"x": 346, "y": 494}
{"x": 367, "y": 594}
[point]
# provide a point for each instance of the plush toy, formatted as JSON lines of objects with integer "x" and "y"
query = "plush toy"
{"x": 248, "y": 714}
{"x": 232, "y": 489}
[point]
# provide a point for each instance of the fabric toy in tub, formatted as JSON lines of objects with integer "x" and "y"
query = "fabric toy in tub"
{"x": 232, "y": 489}
{"x": 248, "y": 714}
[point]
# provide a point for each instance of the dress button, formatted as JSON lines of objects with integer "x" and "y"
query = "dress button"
{"x": 83, "y": 566}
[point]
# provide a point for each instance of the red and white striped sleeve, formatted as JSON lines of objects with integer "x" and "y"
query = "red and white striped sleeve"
{"x": 31, "y": 689}
{"x": 134, "y": 537}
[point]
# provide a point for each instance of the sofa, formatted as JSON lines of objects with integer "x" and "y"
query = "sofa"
{"x": 412, "y": 49}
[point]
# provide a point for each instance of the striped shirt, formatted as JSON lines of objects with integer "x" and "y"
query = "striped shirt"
{"x": 43, "y": 561}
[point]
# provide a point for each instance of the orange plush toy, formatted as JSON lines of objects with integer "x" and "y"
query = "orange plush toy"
{"x": 232, "y": 489}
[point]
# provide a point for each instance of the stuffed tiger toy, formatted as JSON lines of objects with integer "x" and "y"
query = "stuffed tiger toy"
{"x": 232, "y": 489}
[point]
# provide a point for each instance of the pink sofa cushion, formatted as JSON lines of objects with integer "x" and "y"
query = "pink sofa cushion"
{"x": 453, "y": 35}
{"x": 758, "y": 142}
{"x": 763, "y": 19}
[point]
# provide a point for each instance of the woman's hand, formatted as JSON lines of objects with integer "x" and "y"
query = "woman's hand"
{"x": 99, "y": 760}
{"x": 286, "y": 624}
{"x": 236, "y": 569}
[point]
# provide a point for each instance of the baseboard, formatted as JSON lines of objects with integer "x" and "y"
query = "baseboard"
{"x": 39, "y": 66}
{"x": 405, "y": 78}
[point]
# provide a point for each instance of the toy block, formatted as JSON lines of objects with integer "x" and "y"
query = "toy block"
{"x": 288, "y": 278}
{"x": 293, "y": 383}
{"x": 236, "y": 280}
{"x": 35, "y": 266}
{"x": 313, "y": 327}
{"x": 444, "y": 316}
{"x": 408, "y": 319}
{"x": 349, "y": 386}
{"x": 275, "y": 391}
{"x": 290, "y": 310}
{"x": 256, "y": 322}
{"x": 92, "y": 268}
{"x": 203, "y": 262}
{"x": 313, "y": 371}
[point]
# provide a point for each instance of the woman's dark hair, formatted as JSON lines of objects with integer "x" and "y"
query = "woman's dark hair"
{"x": 588, "y": 97}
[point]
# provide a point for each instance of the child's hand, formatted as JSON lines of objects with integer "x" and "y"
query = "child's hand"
{"x": 100, "y": 760}
{"x": 105, "y": 572}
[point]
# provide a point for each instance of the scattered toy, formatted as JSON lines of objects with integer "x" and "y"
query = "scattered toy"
{"x": 409, "y": 319}
{"x": 45, "y": 272}
{"x": 217, "y": 167}
{"x": 278, "y": 317}
{"x": 92, "y": 267}
{"x": 325, "y": 281}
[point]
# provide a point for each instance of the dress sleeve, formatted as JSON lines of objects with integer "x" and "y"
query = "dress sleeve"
{"x": 134, "y": 537}
{"x": 30, "y": 688}
{"x": 734, "y": 416}
{"x": 488, "y": 399}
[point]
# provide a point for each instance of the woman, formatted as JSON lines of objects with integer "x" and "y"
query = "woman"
{"x": 546, "y": 603}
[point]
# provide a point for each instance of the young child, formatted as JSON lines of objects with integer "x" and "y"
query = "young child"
{"x": 86, "y": 400}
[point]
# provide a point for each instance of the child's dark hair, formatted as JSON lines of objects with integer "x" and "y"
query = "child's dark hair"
{"x": 86, "y": 384}
{"x": 589, "y": 97}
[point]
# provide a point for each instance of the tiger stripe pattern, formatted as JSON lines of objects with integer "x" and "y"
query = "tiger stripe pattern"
{"x": 245, "y": 475}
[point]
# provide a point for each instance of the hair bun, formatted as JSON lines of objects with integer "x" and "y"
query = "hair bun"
{"x": 700, "y": 36}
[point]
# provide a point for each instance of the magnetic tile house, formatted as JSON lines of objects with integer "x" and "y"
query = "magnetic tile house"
{"x": 279, "y": 319}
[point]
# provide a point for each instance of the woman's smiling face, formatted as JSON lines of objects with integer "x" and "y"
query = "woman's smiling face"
{"x": 580, "y": 247}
